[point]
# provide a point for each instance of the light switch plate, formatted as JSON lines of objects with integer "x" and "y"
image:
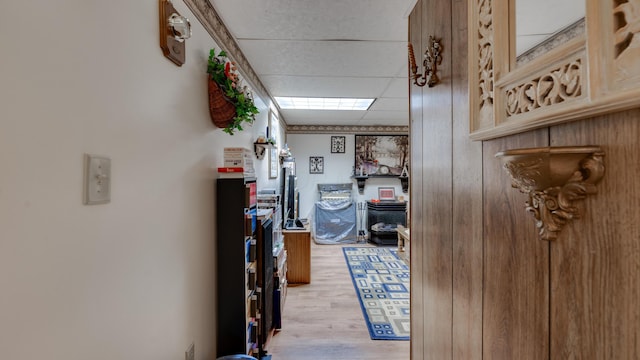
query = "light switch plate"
{"x": 97, "y": 179}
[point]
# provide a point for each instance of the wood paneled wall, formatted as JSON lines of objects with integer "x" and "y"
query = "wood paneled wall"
{"x": 446, "y": 190}
{"x": 483, "y": 285}
{"x": 516, "y": 263}
{"x": 467, "y": 246}
{"x": 595, "y": 263}
{"x": 434, "y": 143}
{"x": 416, "y": 210}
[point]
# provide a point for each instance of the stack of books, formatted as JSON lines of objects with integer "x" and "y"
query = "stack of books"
{"x": 238, "y": 163}
{"x": 268, "y": 201}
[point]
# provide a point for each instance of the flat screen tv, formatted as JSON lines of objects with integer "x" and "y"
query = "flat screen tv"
{"x": 291, "y": 197}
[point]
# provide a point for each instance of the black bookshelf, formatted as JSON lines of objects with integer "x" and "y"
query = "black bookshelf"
{"x": 265, "y": 280}
{"x": 238, "y": 317}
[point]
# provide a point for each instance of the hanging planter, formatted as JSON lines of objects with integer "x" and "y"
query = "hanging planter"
{"x": 230, "y": 103}
{"x": 221, "y": 109}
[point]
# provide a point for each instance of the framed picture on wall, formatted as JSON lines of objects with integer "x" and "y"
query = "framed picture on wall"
{"x": 272, "y": 132}
{"x": 386, "y": 194}
{"x": 316, "y": 165}
{"x": 338, "y": 144}
{"x": 274, "y": 164}
{"x": 381, "y": 155}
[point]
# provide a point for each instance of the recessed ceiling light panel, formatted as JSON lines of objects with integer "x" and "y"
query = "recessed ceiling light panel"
{"x": 302, "y": 103}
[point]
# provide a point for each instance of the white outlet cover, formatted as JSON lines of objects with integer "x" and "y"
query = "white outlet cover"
{"x": 97, "y": 179}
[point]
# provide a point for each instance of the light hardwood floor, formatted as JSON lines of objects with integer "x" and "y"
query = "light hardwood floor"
{"x": 323, "y": 320}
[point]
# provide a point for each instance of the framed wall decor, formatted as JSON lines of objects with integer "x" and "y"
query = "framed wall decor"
{"x": 338, "y": 144}
{"x": 274, "y": 163}
{"x": 386, "y": 194}
{"x": 316, "y": 165}
{"x": 381, "y": 155}
{"x": 273, "y": 131}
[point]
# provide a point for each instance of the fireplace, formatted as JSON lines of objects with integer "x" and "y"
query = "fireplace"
{"x": 382, "y": 220}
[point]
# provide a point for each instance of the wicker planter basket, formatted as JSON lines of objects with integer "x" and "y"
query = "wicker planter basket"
{"x": 221, "y": 109}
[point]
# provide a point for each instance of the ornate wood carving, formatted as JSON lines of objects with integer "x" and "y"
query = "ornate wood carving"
{"x": 485, "y": 63}
{"x": 559, "y": 85}
{"x": 627, "y": 39}
{"x": 554, "y": 179}
{"x": 589, "y": 74}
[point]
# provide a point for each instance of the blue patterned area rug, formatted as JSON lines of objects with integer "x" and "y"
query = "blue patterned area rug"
{"x": 381, "y": 280}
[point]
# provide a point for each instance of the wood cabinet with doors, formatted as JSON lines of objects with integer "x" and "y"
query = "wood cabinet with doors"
{"x": 298, "y": 246}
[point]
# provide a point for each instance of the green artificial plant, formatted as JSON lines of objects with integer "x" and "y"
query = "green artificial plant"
{"x": 223, "y": 72}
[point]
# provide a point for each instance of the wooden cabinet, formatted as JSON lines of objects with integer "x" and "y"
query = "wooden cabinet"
{"x": 298, "y": 246}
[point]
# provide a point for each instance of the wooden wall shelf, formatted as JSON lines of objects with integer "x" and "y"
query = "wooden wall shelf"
{"x": 554, "y": 178}
{"x": 362, "y": 180}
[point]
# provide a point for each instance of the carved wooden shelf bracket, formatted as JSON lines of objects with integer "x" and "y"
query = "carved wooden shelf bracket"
{"x": 554, "y": 178}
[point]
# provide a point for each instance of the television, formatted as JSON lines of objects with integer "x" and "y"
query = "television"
{"x": 291, "y": 197}
{"x": 289, "y": 191}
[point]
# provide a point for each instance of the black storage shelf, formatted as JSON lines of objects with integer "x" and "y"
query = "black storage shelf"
{"x": 391, "y": 213}
{"x": 234, "y": 333}
{"x": 244, "y": 270}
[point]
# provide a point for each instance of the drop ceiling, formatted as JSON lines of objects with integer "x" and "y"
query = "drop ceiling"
{"x": 349, "y": 48}
{"x": 327, "y": 48}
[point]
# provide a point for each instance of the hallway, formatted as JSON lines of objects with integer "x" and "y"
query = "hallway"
{"x": 323, "y": 320}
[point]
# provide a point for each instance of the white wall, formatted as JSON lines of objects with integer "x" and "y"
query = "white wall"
{"x": 132, "y": 279}
{"x": 338, "y": 168}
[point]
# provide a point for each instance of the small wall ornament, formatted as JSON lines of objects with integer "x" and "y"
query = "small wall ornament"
{"x": 432, "y": 58}
{"x": 174, "y": 30}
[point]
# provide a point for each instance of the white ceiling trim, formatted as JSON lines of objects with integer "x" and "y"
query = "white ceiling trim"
{"x": 212, "y": 22}
{"x": 346, "y": 129}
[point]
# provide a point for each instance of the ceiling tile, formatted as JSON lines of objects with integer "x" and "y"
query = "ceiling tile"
{"x": 316, "y": 86}
{"x": 327, "y": 116}
{"x": 398, "y": 88}
{"x": 390, "y": 104}
{"x": 385, "y": 118}
{"x": 313, "y": 19}
{"x": 327, "y": 48}
{"x": 325, "y": 58}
